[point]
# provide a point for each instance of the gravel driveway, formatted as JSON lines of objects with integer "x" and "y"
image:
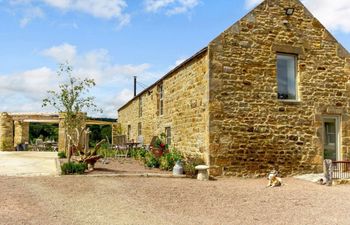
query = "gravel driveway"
{"x": 102, "y": 200}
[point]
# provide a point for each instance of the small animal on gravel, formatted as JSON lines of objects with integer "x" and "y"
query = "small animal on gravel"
{"x": 274, "y": 180}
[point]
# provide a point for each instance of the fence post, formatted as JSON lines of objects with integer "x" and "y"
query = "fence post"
{"x": 327, "y": 170}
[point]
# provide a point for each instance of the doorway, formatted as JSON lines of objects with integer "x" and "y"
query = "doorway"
{"x": 331, "y": 138}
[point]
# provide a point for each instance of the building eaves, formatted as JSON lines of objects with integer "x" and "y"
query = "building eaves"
{"x": 165, "y": 76}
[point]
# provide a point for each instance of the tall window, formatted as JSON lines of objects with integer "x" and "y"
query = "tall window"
{"x": 161, "y": 98}
{"x": 139, "y": 129}
{"x": 140, "y": 106}
{"x": 129, "y": 132}
{"x": 168, "y": 135}
{"x": 286, "y": 77}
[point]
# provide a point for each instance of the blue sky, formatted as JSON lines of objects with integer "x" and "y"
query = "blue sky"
{"x": 113, "y": 40}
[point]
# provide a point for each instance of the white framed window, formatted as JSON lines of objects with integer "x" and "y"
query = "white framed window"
{"x": 287, "y": 76}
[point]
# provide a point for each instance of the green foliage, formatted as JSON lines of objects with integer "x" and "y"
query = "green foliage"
{"x": 105, "y": 151}
{"x": 44, "y": 131}
{"x": 61, "y": 155}
{"x": 150, "y": 160}
{"x": 160, "y": 142}
{"x": 118, "y": 129}
{"x": 71, "y": 99}
{"x": 99, "y": 132}
{"x": 168, "y": 160}
{"x": 138, "y": 153}
{"x": 73, "y": 168}
{"x": 190, "y": 164}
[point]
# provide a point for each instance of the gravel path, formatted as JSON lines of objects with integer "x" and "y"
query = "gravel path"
{"x": 107, "y": 200}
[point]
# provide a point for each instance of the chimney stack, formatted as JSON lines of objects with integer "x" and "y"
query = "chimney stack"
{"x": 134, "y": 86}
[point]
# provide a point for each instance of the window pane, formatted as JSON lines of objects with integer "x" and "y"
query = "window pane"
{"x": 160, "y": 96}
{"x": 139, "y": 129}
{"x": 168, "y": 135}
{"x": 286, "y": 77}
{"x": 140, "y": 107}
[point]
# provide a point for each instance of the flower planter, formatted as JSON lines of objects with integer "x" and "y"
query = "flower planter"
{"x": 157, "y": 152}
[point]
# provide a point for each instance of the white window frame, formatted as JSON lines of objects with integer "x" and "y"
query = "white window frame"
{"x": 338, "y": 131}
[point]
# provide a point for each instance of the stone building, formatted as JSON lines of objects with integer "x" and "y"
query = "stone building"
{"x": 272, "y": 91}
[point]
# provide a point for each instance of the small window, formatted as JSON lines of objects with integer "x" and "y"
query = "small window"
{"x": 330, "y": 133}
{"x": 139, "y": 129}
{"x": 140, "y": 106}
{"x": 129, "y": 132}
{"x": 168, "y": 135}
{"x": 161, "y": 98}
{"x": 286, "y": 77}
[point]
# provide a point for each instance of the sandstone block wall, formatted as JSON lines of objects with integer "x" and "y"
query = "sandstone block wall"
{"x": 251, "y": 131}
{"x": 6, "y": 132}
{"x": 21, "y": 132}
{"x": 185, "y": 109}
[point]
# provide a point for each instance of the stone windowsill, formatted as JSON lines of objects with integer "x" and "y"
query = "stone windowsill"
{"x": 287, "y": 101}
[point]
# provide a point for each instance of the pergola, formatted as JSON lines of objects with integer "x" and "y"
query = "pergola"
{"x": 14, "y": 127}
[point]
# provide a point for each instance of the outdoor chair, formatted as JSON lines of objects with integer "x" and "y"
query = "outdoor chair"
{"x": 121, "y": 148}
{"x": 39, "y": 145}
{"x": 140, "y": 141}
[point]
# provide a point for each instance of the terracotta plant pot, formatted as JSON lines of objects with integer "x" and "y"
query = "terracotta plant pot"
{"x": 157, "y": 152}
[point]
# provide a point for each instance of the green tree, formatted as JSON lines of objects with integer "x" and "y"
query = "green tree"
{"x": 71, "y": 99}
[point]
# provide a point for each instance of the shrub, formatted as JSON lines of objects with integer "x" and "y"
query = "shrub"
{"x": 137, "y": 153}
{"x": 150, "y": 160}
{"x": 141, "y": 153}
{"x": 190, "y": 164}
{"x": 168, "y": 160}
{"x": 106, "y": 152}
{"x": 61, "y": 155}
{"x": 73, "y": 168}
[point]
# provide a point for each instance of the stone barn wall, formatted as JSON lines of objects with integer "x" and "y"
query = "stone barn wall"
{"x": 251, "y": 130}
{"x": 185, "y": 108}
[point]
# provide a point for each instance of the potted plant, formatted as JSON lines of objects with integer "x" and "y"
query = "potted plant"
{"x": 160, "y": 146}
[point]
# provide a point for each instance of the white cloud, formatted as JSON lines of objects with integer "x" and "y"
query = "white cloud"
{"x": 251, "y": 3}
{"x": 29, "y": 14}
{"x": 155, "y": 5}
{"x": 178, "y": 62}
{"x": 104, "y": 9}
{"x": 61, "y": 53}
{"x": 333, "y": 14}
{"x": 171, "y": 7}
{"x": 25, "y": 90}
{"x": 27, "y": 82}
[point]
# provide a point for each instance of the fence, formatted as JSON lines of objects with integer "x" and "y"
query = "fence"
{"x": 341, "y": 169}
